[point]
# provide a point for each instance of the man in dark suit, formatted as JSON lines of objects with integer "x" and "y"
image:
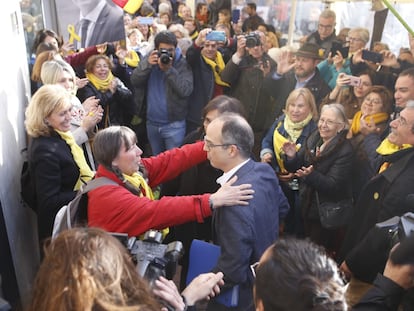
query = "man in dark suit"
{"x": 100, "y": 21}
{"x": 242, "y": 232}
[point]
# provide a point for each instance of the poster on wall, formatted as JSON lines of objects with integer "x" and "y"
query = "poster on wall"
{"x": 90, "y": 22}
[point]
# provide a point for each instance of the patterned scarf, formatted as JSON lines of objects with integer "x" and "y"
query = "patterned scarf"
{"x": 101, "y": 85}
{"x": 377, "y": 118}
{"x": 294, "y": 130}
{"x": 217, "y": 67}
{"x": 85, "y": 173}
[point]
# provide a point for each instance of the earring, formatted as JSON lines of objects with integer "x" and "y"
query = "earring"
{"x": 46, "y": 122}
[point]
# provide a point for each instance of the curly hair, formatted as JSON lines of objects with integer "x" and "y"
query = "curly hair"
{"x": 87, "y": 269}
{"x": 297, "y": 275}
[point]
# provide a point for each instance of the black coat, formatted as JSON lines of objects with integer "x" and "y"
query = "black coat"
{"x": 331, "y": 177}
{"x": 246, "y": 84}
{"x": 54, "y": 174}
{"x": 204, "y": 82}
{"x": 383, "y": 197}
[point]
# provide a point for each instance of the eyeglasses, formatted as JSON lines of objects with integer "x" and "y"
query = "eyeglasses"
{"x": 329, "y": 123}
{"x": 351, "y": 39}
{"x": 401, "y": 121}
{"x": 325, "y": 26}
{"x": 253, "y": 268}
{"x": 374, "y": 101}
{"x": 209, "y": 145}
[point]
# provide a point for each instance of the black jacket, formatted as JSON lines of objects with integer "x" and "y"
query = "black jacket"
{"x": 54, "y": 174}
{"x": 331, "y": 177}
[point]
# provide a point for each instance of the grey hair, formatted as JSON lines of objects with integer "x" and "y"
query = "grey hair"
{"x": 339, "y": 112}
{"x": 236, "y": 130}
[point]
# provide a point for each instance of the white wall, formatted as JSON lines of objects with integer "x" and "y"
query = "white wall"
{"x": 14, "y": 96}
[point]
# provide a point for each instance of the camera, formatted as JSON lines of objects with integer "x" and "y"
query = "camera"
{"x": 339, "y": 46}
{"x": 398, "y": 227}
{"x": 152, "y": 258}
{"x": 165, "y": 56}
{"x": 252, "y": 40}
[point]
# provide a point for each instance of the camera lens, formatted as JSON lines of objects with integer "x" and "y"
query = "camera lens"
{"x": 165, "y": 59}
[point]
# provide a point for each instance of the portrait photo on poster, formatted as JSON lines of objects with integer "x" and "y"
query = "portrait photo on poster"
{"x": 90, "y": 22}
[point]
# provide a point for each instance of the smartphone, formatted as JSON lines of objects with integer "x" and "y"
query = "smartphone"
{"x": 216, "y": 35}
{"x": 235, "y": 16}
{"x": 146, "y": 20}
{"x": 354, "y": 81}
{"x": 372, "y": 56}
{"x": 338, "y": 46}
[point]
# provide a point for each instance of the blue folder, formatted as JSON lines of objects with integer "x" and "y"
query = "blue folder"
{"x": 203, "y": 258}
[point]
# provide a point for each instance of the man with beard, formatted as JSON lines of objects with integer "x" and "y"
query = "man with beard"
{"x": 301, "y": 73}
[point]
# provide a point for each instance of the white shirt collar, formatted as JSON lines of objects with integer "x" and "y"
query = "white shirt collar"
{"x": 226, "y": 176}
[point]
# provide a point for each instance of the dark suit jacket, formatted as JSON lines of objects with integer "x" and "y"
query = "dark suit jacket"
{"x": 54, "y": 174}
{"x": 244, "y": 232}
{"x": 109, "y": 26}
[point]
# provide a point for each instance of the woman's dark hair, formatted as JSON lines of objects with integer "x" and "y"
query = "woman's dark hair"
{"x": 224, "y": 103}
{"x": 41, "y": 36}
{"x": 108, "y": 143}
{"x": 298, "y": 275}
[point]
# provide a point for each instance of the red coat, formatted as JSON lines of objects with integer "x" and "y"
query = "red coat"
{"x": 116, "y": 209}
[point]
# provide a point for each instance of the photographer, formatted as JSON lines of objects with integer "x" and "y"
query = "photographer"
{"x": 206, "y": 63}
{"x": 163, "y": 82}
{"x": 245, "y": 73}
{"x": 91, "y": 270}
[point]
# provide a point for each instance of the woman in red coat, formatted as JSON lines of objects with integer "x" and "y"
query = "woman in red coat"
{"x": 129, "y": 207}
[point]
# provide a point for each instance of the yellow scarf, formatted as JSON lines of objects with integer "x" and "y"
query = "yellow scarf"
{"x": 101, "y": 85}
{"x": 194, "y": 35}
{"x": 85, "y": 173}
{"x": 377, "y": 118}
{"x": 132, "y": 59}
{"x": 387, "y": 148}
{"x": 139, "y": 182}
{"x": 217, "y": 67}
{"x": 294, "y": 129}
{"x": 278, "y": 141}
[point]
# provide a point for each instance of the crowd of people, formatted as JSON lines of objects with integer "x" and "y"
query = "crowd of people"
{"x": 206, "y": 127}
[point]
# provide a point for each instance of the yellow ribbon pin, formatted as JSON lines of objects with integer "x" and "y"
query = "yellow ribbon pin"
{"x": 73, "y": 35}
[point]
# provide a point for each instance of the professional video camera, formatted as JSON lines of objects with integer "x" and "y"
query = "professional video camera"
{"x": 152, "y": 258}
{"x": 398, "y": 228}
{"x": 252, "y": 40}
{"x": 165, "y": 56}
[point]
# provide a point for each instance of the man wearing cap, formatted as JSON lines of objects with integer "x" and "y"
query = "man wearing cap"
{"x": 302, "y": 73}
{"x": 163, "y": 82}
